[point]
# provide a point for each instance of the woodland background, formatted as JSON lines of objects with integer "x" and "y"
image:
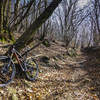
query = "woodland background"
{"x": 69, "y": 54}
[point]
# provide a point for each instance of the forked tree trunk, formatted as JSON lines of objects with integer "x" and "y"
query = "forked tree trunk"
{"x": 29, "y": 33}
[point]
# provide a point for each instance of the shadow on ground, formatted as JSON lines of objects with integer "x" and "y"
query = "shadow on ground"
{"x": 91, "y": 65}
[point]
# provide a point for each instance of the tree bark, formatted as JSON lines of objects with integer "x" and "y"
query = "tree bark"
{"x": 29, "y": 33}
{"x": 1, "y": 15}
{"x": 5, "y": 11}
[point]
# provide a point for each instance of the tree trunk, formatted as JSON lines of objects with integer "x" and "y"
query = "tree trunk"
{"x": 5, "y": 11}
{"x": 29, "y": 33}
{"x": 1, "y": 15}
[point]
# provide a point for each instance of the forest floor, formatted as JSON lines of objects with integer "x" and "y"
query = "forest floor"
{"x": 61, "y": 77}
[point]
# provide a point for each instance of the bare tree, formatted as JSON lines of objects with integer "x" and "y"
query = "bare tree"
{"x": 29, "y": 33}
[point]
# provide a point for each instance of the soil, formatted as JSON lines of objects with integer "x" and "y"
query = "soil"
{"x": 61, "y": 77}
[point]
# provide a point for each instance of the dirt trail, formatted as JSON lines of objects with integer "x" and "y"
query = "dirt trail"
{"x": 60, "y": 78}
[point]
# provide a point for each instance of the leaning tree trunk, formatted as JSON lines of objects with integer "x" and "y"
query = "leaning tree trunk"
{"x": 29, "y": 33}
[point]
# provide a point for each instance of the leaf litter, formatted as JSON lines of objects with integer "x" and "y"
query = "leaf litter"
{"x": 61, "y": 78}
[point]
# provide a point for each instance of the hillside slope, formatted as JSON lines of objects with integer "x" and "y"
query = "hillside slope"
{"x": 61, "y": 77}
